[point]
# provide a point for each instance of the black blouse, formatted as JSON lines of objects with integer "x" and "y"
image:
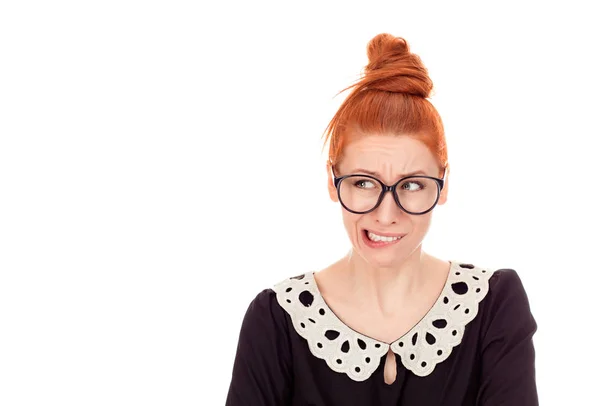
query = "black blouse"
{"x": 467, "y": 350}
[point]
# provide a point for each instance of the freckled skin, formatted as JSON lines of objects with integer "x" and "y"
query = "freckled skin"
{"x": 390, "y": 156}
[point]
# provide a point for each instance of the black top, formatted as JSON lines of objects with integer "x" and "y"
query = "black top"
{"x": 493, "y": 364}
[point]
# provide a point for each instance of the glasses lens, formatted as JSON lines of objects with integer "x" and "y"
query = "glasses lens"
{"x": 359, "y": 193}
{"x": 416, "y": 194}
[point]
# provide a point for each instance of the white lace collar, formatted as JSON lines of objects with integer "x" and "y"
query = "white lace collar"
{"x": 424, "y": 346}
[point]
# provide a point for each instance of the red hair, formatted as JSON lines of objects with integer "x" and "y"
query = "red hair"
{"x": 389, "y": 98}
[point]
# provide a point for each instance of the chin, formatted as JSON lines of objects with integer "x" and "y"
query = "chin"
{"x": 387, "y": 262}
{"x": 390, "y": 259}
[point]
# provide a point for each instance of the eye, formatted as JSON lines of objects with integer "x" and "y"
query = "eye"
{"x": 365, "y": 184}
{"x": 413, "y": 186}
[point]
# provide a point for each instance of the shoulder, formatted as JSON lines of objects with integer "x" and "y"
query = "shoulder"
{"x": 263, "y": 370}
{"x": 506, "y": 306}
{"x": 262, "y": 299}
{"x": 270, "y": 304}
{"x": 265, "y": 328}
{"x": 505, "y": 284}
{"x": 505, "y": 278}
{"x": 264, "y": 306}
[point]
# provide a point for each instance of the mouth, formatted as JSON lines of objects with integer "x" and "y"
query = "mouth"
{"x": 375, "y": 239}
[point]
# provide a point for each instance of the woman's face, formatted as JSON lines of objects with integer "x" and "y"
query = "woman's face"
{"x": 389, "y": 158}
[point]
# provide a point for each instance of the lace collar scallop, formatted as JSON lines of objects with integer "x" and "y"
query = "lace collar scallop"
{"x": 425, "y": 345}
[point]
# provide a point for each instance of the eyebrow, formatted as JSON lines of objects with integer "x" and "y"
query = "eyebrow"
{"x": 419, "y": 172}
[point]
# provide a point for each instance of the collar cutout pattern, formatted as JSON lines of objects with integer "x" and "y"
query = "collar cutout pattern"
{"x": 425, "y": 345}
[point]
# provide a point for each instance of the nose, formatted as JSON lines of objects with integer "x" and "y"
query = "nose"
{"x": 388, "y": 211}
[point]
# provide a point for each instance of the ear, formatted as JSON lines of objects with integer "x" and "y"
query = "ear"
{"x": 444, "y": 193}
{"x": 330, "y": 188}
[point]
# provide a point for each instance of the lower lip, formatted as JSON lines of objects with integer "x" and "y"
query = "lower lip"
{"x": 378, "y": 244}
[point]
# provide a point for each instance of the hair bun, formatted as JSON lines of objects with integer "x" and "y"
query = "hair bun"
{"x": 393, "y": 68}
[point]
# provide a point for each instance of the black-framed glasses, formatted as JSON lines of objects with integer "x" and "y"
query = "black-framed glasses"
{"x": 360, "y": 194}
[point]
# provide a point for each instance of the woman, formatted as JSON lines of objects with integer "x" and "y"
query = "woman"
{"x": 388, "y": 324}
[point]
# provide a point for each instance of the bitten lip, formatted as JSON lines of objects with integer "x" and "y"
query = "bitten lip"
{"x": 384, "y": 234}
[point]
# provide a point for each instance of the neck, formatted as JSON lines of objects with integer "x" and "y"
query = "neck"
{"x": 385, "y": 288}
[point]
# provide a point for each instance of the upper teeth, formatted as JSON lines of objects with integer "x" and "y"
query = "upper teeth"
{"x": 375, "y": 237}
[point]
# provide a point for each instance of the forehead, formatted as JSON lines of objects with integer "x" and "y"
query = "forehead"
{"x": 385, "y": 153}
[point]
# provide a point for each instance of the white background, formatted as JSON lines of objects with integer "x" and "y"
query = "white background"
{"x": 160, "y": 164}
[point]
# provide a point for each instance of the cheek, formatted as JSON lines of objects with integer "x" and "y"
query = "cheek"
{"x": 421, "y": 224}
{"x": 351, "y": 224}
